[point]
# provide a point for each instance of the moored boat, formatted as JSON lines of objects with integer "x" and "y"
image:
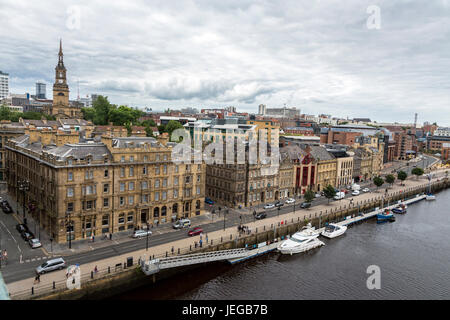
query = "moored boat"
{"x": 430, "y": 197}
{"x": 333, "y": 230}
{"x": 385, "y": 216}
{"x": 400, "y": 209}
{"x": 301, "y": 241}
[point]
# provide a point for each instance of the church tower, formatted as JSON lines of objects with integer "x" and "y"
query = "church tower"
{"x": 61, "y": 107}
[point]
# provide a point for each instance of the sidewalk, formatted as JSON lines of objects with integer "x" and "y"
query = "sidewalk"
{"x": 229, "y": 233}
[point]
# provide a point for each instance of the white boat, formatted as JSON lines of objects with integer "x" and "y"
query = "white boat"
{"x": 301, "y": 241}
{"x": 430, "y": 197}
{"x": 333, "y": 230}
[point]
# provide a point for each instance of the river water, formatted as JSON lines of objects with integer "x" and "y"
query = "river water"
{"x": 413, "y": 254}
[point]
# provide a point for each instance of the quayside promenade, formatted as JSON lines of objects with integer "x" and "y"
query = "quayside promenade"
{"x": 113, "y": 269}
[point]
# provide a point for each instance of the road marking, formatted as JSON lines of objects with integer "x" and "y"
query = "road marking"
{"x": 28, "y": 260}
{"x": 33, "y": 259}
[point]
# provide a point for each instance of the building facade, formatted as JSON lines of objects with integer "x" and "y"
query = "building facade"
{"x": 83, "y": 189}
{"x": 4, "y": 85}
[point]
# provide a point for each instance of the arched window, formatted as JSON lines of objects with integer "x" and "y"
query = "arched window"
{"x": 197, "y": 204}
{"x": 175, "y": 208}
{"x": 156, "y": 212}
{"x": 186, "y": 206}
{"x": 164, "y": 211}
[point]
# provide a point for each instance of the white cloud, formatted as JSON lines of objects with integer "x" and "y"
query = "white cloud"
{"x": 316, "y": 55}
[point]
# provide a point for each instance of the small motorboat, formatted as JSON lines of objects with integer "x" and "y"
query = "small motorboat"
{"x": 385, "y": 216}
{"x": 430, "y": 197}
{"x": 400, "y": 209}
{"x": 301, "y": 241}
{"x": 333, "y": 230}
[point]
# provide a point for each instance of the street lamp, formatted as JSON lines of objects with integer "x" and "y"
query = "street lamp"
{"x": 146, "y": 246}
{"x": 23, "y": 185}
{"x": 69, "y": 228}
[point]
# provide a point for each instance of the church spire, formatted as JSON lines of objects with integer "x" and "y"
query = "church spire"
{"x": 60, "y": 55}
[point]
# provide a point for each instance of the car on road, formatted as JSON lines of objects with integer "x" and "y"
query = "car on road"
{"x": 260, "y": 215}
{"x": 27, "y": 235}
{"x": 339, "y": 196}
{"x": 34, "y": 243}
{"x": 355, "y": 193}
{"x": 182, "y": 223}
{"x": 305, "y": 205}
{"x": 269, "y": 206}
{"x": 51, "y": 265}
{"x": 195, "y": 232}
{"x": 209, "y": 201}
{"x": 318, "y": 195}
{"x": 5, "y": 206}
{"x": 366, "y": 190}
{"x": 21, "y": 228}
{"x": 289, "y": 201}
{"x": 279, "y": 204}
{"x": 141, "y": 233}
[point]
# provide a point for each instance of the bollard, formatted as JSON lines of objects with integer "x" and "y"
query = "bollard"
{"x": 166, "y": 254}
{"x": 211, "y": 242}
{"x": 109, "y": 269}
{"x": 231, "y": 237}
{"x": 264, "y": 228}
{"x": 190, "y": 247}
{"x": 178, "y": 250}
{"x": 32, "y": 290}
{"x": 54, "y": 285}
{"x": 221, "y": 239}
{"x": 92, "y": 274}
{"x": 124, "y": 265}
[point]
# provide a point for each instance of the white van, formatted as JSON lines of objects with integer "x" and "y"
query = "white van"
{"x": 339, "y": 195}
{"x": 182, "y": 223}
{"x": 356, "y": 187}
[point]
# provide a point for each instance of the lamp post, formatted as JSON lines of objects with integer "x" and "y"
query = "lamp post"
{"x": 69, "y": 228}
{"x": 224, "y": 213}
{"x": 23, "y": 185}
{"x": 146, "y": 245}
{"x": 51, "y": 245}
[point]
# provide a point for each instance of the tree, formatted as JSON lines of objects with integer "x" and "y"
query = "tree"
{"x": 417, "y": 172}
{"x": 402, "y": 175}
{"x": 102, "y": 109}
{"x": 390, "y": 179}
{"x": 309, "y": 196}
{"x": 378, "y": 181}
{"x": 5, "y": 113}
{"x": 88, "y": 113}
{"x": 122, "y": 115}
{"x": 329, "y": 192}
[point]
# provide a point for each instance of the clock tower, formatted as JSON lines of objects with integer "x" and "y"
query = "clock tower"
{"x": 61, "y": 107}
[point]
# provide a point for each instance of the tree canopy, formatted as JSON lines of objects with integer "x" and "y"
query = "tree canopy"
{"x": 329, "y": 192}
{"x": 309, "y": 196}
{"x": 417, "y": 171}
{"x": 378, "y": 181}
{"x": 390, "y": 179}
{"x": 402, "y": 175}
{"x": 13, "y": 116}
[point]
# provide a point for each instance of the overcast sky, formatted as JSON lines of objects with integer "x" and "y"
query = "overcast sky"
{"x": 317, "y": 55}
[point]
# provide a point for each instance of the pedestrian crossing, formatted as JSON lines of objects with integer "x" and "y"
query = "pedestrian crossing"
{"x": 32, "y": 259}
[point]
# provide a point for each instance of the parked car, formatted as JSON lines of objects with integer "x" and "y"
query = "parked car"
{"x": 51, "y": 265}
{"x": 141, "y": 233}
{"x": 305, "y": 205}
{"x": 339, "y": 196}
{"x": 366, "y": 190}
{"x": 260, "y": 215}
{"x": 317, "y": 195}
{"x": 5, "y": 206}
{"x": 269, "y": 206}
{"x": 355, "y": 193}
{"x": 21, "y": 228}
{"x": 182, "y": 223}
{"x": 195, "y": 232}
{"x": 27, "y": 235}
{"x": 209, "y": 201}
{"x": 34, "y": 243}
{"x": 279, "y": 204}
{"x": 289, "y": 200}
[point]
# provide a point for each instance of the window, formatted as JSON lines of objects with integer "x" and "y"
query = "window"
{"x": 176, "y": 169}
{"x": 131, "y": 158}
{"x": 156, "y": 196}
{"x": 145, "y": 158}
{"x": 144, "y": 198}
{"x": 188, "y": 179}
{"x": 130, "y": 217}
{"x": 70, "y": 176}
{"x": 157, "y": 157}
{"x": 70, "y": 207}
{"x": 131, "y": 172}
{"x": 175, "y": 181}
{"x": 157, "y": 183}
{"x": 144, "y": 170}
{"x": 187, "y": 192}
{"x": 89, "y": 205}
{"x": 164, "y": 195}
{"x": 157, "y": 170}
{"x": 165, "y": 169}
{"x": 165, "y": 157}
{"x": 198, "y": 190}
{"x": 89, "y": 174}
{"x": 106, "y": 173}
{"x": 198, "y": 178}
{"x": 164, "y": 183}
{"x": 122, "y": 172}
{"x": 69, "y": 162}
{"x": 175, "y": 193}
{"x": 122, "y": 186}
{"x": 106, "y": 188}
{"x": 144, "y": 185}
{"x": 122, "y": 159}
{"x": 121, "y": 201}
{"x": 130, "y": 186}
{"x": 106, "y": 202}
{"x": 70, "y": 192}
{"x": 130, "y": 199}
{"x": 105, "y": 220}
{"x": 121, "y": 218}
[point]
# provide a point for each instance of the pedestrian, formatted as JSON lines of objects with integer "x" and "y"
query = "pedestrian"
{"x": 110, "y": 236}
{"x": 172, "y": 250}
{"x": 93, "y": 238}
{"x": 201, "y": 243}
{"x": 206, "y": 238}
{"x": 38, "y": 278}
{"x": 5, "y": 256}
{"x": 195, "y": 244}
{"x": 95, "y": 269}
